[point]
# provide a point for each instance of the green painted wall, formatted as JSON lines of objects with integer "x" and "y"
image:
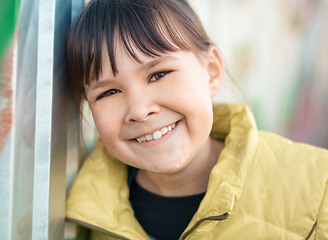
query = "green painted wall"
{"x": 8, "y": 18}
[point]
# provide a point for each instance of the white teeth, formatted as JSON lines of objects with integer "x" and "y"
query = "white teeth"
{"x": 164, "y": 130}
{"x": 156, "y": 135}
{"x": 149, "y": 137}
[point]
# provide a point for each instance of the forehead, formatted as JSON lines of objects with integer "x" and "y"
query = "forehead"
{"x": 136, "y": 58}
{"x": 139, "y": 62}
{"x": 121, "y": 54}
{"x": 151, "y": 38}
{"x": 129, "y": 46}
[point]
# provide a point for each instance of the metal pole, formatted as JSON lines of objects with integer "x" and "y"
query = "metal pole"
{"x": 51, "y": 122}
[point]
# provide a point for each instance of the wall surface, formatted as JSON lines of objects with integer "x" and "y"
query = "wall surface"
{"x": 8, "y": 47}
{"x": 33, "y": 118}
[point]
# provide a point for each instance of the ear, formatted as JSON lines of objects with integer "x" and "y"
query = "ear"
{"x": 215, "y": 69}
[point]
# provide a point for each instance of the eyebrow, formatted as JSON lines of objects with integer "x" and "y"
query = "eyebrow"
{"x": 145, "y": 66}
{"x": 156, "y": 61}
{"x": 98, "y": 84}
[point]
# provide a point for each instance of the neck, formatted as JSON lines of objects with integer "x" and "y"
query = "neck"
{"x": 190, "y": 180}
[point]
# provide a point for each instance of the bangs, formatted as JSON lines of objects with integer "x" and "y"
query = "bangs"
{"x": 152, "y": 27}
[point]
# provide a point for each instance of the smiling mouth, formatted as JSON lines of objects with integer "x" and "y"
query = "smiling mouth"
{"x": 157, "y": 134}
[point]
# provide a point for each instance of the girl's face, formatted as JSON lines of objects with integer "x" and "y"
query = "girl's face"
{"x": 166, "y": 97}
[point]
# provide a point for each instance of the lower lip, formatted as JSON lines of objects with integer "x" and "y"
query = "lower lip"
{"x": 153, "y": 143}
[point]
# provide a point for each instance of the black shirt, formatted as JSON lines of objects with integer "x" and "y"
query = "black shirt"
{"x": 164, "y": 218}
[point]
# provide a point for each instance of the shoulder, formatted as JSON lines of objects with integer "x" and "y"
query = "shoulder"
{"x": 290, "y": 181}
{"x": 301, "y": 170}
{"x": 304, "y": 163}
{"x": 285, "y": 150}
{"x": 304, "y": 169}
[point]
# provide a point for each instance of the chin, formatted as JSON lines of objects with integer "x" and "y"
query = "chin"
{"x": 171, "y": 169}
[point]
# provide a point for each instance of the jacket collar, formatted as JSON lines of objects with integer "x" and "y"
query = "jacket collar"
{"x": 235, "y": 124}
{"x": 100, "y": 193}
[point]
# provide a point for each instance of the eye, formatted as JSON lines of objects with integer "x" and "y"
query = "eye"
{"x": 108, "y": 93}
{"x": 158, "y": 75}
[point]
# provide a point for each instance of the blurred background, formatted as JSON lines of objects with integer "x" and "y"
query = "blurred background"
{"x": 276, "y": 50}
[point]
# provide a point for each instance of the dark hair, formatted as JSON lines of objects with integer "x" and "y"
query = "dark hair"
{"x": 150, "y": 26}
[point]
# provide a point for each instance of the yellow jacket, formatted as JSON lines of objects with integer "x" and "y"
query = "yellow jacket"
{"x": 263, "y": 187}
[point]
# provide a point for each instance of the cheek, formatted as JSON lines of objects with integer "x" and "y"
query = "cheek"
{"x": 195, "y": 101}
{"x": 203, "y": 123}
{"x": 106, "y": 124}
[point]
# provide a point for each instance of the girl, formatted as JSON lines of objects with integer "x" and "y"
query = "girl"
{"x": 168, "y": 164}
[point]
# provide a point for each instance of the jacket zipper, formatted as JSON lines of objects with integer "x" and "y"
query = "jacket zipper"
{"x": 92, "y": 227}
{"x": 311, "y": 232}
{"x": 213, "y": 218}
{"x": 223, "y": 217}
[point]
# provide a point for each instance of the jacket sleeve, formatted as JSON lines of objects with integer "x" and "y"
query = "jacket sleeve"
{"x": 322, "y": 219}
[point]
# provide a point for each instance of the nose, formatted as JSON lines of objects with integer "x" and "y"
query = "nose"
{"x": 140, "y": 107}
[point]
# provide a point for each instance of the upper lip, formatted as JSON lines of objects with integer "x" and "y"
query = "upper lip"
{"x": 151, "y": 132}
